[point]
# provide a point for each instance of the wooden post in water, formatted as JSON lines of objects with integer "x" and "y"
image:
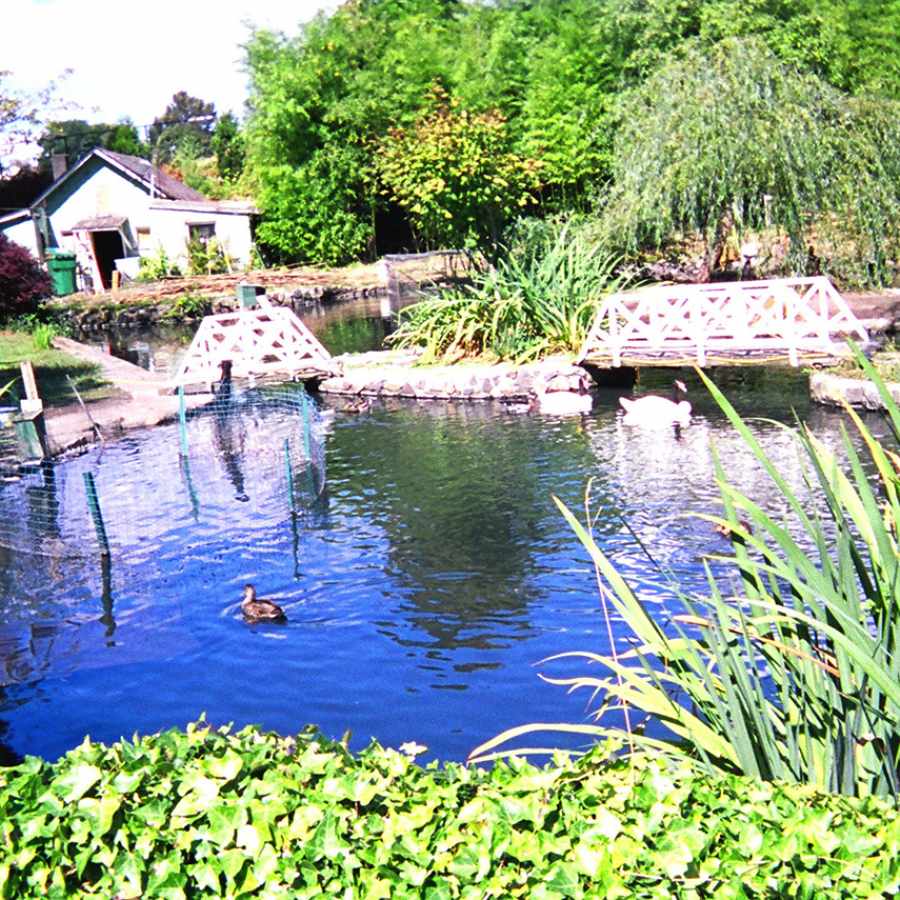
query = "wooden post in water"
{"x": 96, "y": 515}
{"x": 182, "y": 422}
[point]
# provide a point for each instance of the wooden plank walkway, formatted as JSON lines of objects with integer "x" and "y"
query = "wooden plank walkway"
{"x": 735, "y": 323}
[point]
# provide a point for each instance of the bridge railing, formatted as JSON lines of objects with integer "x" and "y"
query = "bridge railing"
{"x": 791, "y": 316}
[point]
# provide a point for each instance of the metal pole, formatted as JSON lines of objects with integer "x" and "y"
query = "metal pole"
{"x": 307, "y": 443}
{"x": 182, "y": 421}
{"x": 290, "y": 475}
{"x": 94, "y": 506}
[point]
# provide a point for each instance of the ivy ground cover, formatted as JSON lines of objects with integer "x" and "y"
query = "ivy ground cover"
{"x": 205, "y": 812}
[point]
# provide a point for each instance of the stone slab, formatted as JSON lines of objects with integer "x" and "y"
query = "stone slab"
{"x": 835, "y": 390}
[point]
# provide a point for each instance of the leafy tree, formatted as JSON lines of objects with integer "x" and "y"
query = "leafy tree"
{"x": 22, "y": 114}
{"x": 228, "y": 146}
{"x": 185, "y": 118}
{"x": 731, "y": 137}
{"x": 565, "y": 114}
{"x": 76, "y": 138}
{"x": 313, "y": 211}
{"x": 322, "y": 100}
{"x": 22, "y": 281}
{"x": 455, "y": 174}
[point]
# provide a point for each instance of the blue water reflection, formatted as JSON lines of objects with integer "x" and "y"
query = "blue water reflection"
{"x": 421, "y": 587}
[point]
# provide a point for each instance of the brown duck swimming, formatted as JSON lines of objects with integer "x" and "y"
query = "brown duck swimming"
{"x": 260, "y": 610}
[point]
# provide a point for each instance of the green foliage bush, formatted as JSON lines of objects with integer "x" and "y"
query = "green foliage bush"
{"x": 207, "y": 257}
{"x": 456, "y": 176}
{"x": 210, "y": 813}
{"x": 311, "y": 211}
{"x": 538, "y": 298}
{"x": 157, "y": 266}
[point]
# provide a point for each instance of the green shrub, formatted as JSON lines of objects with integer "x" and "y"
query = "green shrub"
{"x": 187, "y": 306}
{"x": 789, "y": 669}
{"x": 157, "y": 266}
{"x": 207, "y": 257}
{"x": 209, "y": 813}
{"x": 43, "y": 335}
{"x": 538, "y": 299}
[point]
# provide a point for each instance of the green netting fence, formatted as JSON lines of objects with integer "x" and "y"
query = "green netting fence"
{"x": 247, "y": 460}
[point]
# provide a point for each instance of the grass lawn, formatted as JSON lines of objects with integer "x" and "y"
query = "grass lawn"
{"x": 51, "y": 368}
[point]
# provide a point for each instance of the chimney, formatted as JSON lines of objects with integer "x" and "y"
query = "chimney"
{"x": 58, "y": 165}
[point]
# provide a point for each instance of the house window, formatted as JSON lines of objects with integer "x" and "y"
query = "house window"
{"x": 201, "y": 232}
{"x": 143, "y": 238}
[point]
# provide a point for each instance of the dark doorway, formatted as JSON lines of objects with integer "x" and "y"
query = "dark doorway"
{"x": 108, "y": 247}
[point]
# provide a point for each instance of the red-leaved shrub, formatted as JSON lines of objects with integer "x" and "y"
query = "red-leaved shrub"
{"x": 22, "y": 281}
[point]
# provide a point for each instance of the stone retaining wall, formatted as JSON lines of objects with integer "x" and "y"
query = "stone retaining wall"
{"x": 101, "y": 318}
{"x": 392, "y": 373}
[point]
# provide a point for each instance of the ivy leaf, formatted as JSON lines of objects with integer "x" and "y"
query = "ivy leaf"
{"x": 75, "y": 783}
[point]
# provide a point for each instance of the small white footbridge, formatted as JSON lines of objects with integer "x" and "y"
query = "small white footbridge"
{"x": 258, "y": 340}
{"x": 796, "y": 320}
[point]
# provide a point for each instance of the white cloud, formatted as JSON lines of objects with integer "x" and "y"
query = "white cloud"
{"x": 128, "y": 59}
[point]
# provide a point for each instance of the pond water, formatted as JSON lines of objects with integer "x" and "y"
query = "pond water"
{"x": 421, "y": 586}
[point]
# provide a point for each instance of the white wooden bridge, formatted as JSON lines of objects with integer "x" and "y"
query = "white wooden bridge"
{"x": 261, "y": 341}
{"x": 793, "y": 319}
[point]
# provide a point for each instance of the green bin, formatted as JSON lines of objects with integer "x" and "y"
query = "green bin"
{"x": 61, "y": 267}
{"x": 247, "y": 294}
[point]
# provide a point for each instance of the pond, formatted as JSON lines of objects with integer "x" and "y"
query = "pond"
{"x": 422, "y": 584}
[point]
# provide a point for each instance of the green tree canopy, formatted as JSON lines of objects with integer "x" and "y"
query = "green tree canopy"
{"x": 455, "y": 174}
{"x": 76, "y": 138}
{"x": 186, "y": 118}
{"x": 555, "y": 70}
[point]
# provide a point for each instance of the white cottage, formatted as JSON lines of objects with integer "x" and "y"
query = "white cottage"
{"x": 111, "y": 208}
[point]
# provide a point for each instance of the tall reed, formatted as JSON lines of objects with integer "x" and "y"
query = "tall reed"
{"x": 790, "y": 671}
{"x": 538, "y": 298}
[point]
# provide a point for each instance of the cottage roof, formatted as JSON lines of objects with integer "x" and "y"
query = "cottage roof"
{"x": 163, "y": 185}
{"x": 154, "y": 179}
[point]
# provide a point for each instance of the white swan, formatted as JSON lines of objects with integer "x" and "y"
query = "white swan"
{"x": 658, "y": 411}
{"x": 562, "y": 403}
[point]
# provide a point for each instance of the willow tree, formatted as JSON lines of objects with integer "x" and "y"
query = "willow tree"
{"x": 729, "y": 136}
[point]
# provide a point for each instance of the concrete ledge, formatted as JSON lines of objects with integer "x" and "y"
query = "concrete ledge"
{"x": 127, "y": 377}
{"x": 835, "y": 390}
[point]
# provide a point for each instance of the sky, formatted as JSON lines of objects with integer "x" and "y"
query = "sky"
{"x": 128, "y": 59}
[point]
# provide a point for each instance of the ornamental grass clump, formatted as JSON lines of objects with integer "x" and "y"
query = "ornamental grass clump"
{"x": 537, "y": 299}
{"x": 789, "y": 668}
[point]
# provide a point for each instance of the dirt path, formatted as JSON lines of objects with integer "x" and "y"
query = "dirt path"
{"x": 144, "y": 399}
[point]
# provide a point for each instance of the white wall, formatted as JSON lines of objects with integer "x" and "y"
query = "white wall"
{"x": 170, "y": 222}
{"x": 103, "y": 192}
{"x": 22, "y": 232}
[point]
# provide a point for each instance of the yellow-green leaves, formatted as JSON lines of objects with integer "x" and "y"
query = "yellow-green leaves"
{"x": 270, "y": 819}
